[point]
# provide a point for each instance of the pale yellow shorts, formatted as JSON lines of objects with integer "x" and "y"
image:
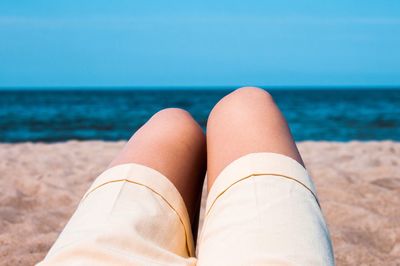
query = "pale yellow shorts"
{"x": 261, "y": 210}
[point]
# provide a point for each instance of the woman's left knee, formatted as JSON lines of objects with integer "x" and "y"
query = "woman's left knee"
{"x": 176, "y": 123}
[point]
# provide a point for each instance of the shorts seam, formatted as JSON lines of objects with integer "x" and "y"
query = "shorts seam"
{"x": 259, "y": 174}
{"x": 154, "y": 191}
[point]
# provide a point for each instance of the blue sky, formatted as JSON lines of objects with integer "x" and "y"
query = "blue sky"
{"x": 199, "y": 43}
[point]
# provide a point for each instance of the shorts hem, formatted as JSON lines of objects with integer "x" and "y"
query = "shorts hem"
{"x": 256, "y": 164}
{"x": 138, "y": 174}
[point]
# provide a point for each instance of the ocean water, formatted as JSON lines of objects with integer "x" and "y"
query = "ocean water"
{"x": 50, "y": 116}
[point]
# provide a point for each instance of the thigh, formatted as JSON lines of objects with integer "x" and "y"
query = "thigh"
{"x": 262, "y": 207}
{"x": 245, "y": 121}
{"x": 172, "y": 143}
{"x": 139, "y": 210}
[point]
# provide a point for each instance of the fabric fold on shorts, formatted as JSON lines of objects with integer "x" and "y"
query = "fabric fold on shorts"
{"x": 255, "y": 164}
{"x": 263, "y": 209}
{"x": 142, "y": 175}
{"x": 131, "y": 214}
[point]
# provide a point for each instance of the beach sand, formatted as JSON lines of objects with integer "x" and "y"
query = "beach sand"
{"x": 358, "y": 184}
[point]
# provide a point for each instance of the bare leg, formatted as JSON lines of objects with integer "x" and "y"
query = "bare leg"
{"x": 267, "y": 219}
{"x": 172, "y": 143}
{"x": 246, "y": 121}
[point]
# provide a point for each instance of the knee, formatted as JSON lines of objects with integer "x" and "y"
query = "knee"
{"x": 172, "y": 114}
{"x": 241, "y": 102}
{"x": 247, "y": 96}
{"x": 175, "y": 122}
{"x": 249, "y": 92}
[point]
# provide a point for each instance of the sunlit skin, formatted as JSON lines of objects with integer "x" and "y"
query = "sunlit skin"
{"x": 172, "y": 143}
{"x": 245, "y": 121}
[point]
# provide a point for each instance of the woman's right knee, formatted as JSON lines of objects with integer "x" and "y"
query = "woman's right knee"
{"x": 240, "y": 103}
{"x": 246, "y": 121}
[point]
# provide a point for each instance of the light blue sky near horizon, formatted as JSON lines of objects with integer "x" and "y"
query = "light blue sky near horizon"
{"x": 199, "y": 43}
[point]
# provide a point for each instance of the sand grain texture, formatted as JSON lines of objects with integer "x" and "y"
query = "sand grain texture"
{"x": 358, "y": 184}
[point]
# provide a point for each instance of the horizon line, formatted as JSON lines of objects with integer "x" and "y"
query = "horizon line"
{"x": 205, "y": 87}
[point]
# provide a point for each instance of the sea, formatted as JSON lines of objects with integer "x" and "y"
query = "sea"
{"x": 56, "y": 115}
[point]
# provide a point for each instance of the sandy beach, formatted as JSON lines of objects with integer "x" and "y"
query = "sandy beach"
{"x": 358, "y": 184}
